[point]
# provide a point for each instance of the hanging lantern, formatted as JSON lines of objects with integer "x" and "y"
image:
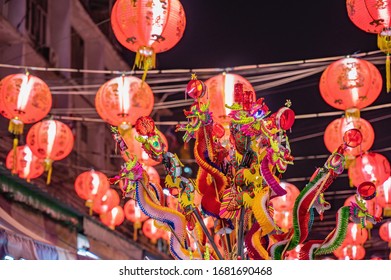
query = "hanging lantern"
{"x": 50, "y": 140}
{"x": 293, "y": 254}
{"x": 148, "y": 27}
{"x": 284, "y": 219}
{"x": 335, "y": 131}
{"x": 372, "y": 167}
{"x": 384, "y": 195}
{"x": 91, "y": 185}
{"x": 105, "y": 203}
{"x": 358, "y": 13}
{"x": 122, "y": 100}
{"x": 385, "y": 232}
{"x": 24, "y": 99}
{"x": 350, "y": 84}
{"x": 134, "y": 214}
{"x": 151, "y": 231}
{"x": 113, "y": 218}
{"x": 373, "y": 16}
{"x": 380, "y": 13}
{"x": 352, "y": 252}
{"x": 27, "y": 166}
{"x": 356, "y": 234}
{"x": 135, "y": 148}
{"x": 287, "y": 201}
{"x": 221, "y": 92}
{"x": 154, "y": 176}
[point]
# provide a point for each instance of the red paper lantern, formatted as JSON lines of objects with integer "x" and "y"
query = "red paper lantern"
{"x": 154, "y": 176}
{"x": 221, "y": 91}
{"x": 350, "y": 84}
{"x": 151, "y": 231}
{"x": 133, "y": 213}
{"x": 135, "y": 148}
{"x": 121, "y": 101}
{"x": 373, "y": 16}
{"x": 105, "y": 203}
{"x": 91, "y": 185}
{"x": 27, "y": 166}
{"x": 372, "y": 167}
{"x": 50, "y": 140}
{"x": 384, "y": 194}
{"x": 356, "y": 234}
{"x": 284, "y": 219}
{"x": 352, "y": 252}
{"x": 287, "y": 201}
{"x": 24, "y": 99}
{"x": 113, "y": 218}
{"x": 148, "y": 27}
{"x": 359, "y": 14}
{"x": 335, "y": 131}
{"x": 385, "y": 231}
{"x": 293, "y": 254}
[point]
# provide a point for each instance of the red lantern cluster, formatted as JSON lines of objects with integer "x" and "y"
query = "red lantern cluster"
{"x": 91, "y": 185}
{"x": 50, "y": 140}
{"x": 113, "y": 217}
{"x": 134, "y": 214}
{"x": 371, "y": 167}
{"x": 27, "y": 165}
{"x": 106, "y": 202}
{"x": 151, "y": 231}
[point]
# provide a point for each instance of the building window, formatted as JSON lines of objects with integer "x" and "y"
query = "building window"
{"x": 84, "y": 133}
{"x": 77, "y": 53}
{"x": 36, "y": 19}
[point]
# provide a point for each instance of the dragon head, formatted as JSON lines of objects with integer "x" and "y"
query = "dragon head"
{"x": 198, "y": 116}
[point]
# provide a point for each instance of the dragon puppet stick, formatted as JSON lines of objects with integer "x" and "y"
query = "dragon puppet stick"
{"x": 153, "y": 146}
{"x": 123, "y": 147}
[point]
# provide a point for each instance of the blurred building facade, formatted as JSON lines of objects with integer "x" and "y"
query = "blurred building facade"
{"x": 63, "y": 35}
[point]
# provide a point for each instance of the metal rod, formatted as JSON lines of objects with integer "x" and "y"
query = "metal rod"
{"x": 241, "y": 233}
{"x": 206, "y": 231}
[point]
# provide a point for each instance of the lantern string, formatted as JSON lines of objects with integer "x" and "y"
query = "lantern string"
{"x": 173, "y": 123}
{"x": 181, "y": 71}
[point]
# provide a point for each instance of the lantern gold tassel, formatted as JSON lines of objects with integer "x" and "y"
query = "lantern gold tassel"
{"x": 136, "y": 226}
{"x": 14, "y": 151}
{"x": 49, "y": 169}
{"x": 384, "y": 44}
{"x": 145, "y": 59}
{"x": 15, "y": 126}
{"x": 89, "y": 203}
{"x": 388, "y": 74}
